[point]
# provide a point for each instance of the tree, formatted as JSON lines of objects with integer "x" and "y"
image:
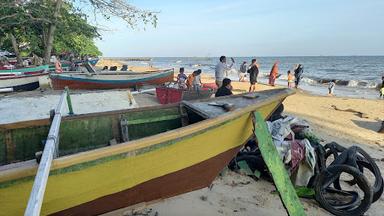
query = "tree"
{"x": 38, "y": 21}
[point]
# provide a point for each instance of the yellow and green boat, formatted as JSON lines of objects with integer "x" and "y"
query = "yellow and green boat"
{"x": 116, "y": 159}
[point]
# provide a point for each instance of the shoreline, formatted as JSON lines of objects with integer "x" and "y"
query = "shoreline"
{"x": 357, "y": 84}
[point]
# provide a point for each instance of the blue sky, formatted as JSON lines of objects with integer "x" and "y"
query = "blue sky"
{"x": 252, "y": 28}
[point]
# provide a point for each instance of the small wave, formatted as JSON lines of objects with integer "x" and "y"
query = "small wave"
{"x": 347, "y": 83}
{"x": 309, "y": 80}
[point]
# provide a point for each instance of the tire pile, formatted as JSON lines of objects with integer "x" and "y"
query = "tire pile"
{"x": 331, "y": 190}
{"x": 355, "y": 162}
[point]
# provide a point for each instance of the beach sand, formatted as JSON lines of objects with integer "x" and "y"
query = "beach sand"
{"x": 235, "y": 194}
{"x": 108, "y": 62}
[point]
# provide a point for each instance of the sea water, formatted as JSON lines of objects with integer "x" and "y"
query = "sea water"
{"x": 356, "y": 76}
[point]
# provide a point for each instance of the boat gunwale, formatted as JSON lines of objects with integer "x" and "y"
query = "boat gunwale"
{"x": 92, "y": 77}
{"x": 23, "y": 76}
{"x": 25, "y": 69}
{"x": 126, "y": 147}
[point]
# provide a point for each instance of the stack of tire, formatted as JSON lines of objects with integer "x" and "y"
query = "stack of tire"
{"x": 355, "y": 162}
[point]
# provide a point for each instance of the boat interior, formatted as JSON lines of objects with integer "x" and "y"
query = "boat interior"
{"x": 22, "y": 140}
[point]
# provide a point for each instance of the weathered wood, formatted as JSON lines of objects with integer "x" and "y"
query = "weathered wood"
{"x": 10, "y": 153}
{"x": 276, "y": 167}
{"x": 382, "y": 128}
{"x": 152, "y": 120}
{"x": 124, "y": 129}
{"x": 183, "y": 115}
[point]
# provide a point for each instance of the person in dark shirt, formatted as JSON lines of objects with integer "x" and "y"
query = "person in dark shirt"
{"x": 253, "y": 73}
{"x": 299, "y": 70}
{"x": 225, "y": 89}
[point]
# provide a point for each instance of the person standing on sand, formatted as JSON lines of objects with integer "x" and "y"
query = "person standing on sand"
{"x": 273, "y": 74}
{"x": 291, "y": 79}
{"x": 181, "y": 78}
{"x": 331, "y": 87}
{"x": 242, "y": 71}
{"x": 225, "y": 89}
{"x": 253, "y": 73}
{"x": 299, "y": 70}
{"x": 221, "y": 70}
{"x": 197, "y": 80}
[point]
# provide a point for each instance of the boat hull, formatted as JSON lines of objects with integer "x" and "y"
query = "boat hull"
{"x": 24, "y": 71}
{"x": 142, "y": 170}
{"x": 59, "y": 81}
{"x": 21, "y": 83}
{"x": 189, "y": 179}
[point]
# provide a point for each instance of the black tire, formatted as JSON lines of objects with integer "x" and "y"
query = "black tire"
{"x": 364, "y": 161}
{"x": 328, "y": 176}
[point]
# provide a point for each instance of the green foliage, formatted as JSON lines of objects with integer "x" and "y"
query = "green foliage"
{"x": 79, "y": 44}
{"x": 30, "y": 21}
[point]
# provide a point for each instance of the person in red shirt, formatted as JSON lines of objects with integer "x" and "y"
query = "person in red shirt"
{"x": 273, "y": 74}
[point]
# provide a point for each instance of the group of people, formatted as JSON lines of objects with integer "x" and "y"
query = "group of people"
{"x": 223, "y": 83}
{"x": 222, "y": 68}
{"x": 191, "y": 82}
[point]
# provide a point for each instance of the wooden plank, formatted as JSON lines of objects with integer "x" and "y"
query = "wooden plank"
{"x": 276, "y": 167}
{"x": 152, "y": 120}
{"x": 10, "y": 145}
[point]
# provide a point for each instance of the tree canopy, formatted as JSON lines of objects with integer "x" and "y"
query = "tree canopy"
{"x": 45, "y": 26}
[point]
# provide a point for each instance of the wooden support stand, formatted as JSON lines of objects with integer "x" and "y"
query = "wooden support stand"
{"x": 276, "y": 168}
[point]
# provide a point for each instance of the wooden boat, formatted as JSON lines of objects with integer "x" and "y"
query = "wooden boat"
{"x": 21, "y": 82}
{"x": 24, "y": 71}
{"x": 172, "y": 149}
{"x": 106, "y": 81}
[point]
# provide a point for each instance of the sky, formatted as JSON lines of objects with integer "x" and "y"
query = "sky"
{"x": 250, "y": 28}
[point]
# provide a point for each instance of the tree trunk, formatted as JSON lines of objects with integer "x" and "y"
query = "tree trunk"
{"x": 16, "y": 49}
{"x": 51, "y": 32}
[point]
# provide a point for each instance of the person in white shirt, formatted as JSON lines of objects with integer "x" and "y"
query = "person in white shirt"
{"x": 221, "y": 70}
{"x": 197, "y": 80}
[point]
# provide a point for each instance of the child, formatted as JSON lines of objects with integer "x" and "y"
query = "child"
{"x": 331, "y": 87}
{"x": 181, "y": 78}
{"x": 197, "y": 80}
{"x": 291, "y": 79}
{"x": 190, "y": 79}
